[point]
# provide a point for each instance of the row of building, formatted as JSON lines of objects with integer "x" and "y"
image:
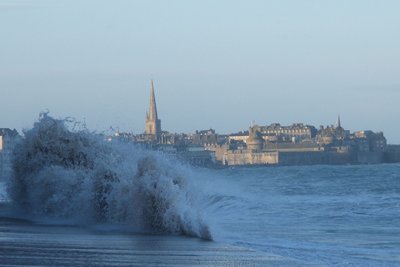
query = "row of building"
{"x": 273, "y": 144}
{"x": 301, "y": 144}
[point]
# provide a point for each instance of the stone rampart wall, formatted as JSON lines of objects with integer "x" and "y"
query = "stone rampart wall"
{"x": 314, "y": 158}
{"x": 249, "y": 158}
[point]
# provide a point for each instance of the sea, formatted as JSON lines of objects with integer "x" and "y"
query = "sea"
{"x": 70, "y": 185}
{"x": 325, "y": 215}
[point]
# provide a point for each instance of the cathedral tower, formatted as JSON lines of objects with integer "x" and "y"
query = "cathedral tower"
{"x": 153, "y": 124}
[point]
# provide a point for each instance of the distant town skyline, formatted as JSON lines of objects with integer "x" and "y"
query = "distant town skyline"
{"x": 214, "y": 64}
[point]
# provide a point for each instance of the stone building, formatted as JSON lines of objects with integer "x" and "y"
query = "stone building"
{"x": 371, "y": 141}
{"x": 276, "y": 133}
{"x": 204, "y": 137}
{"x": 332, "y": 135}
{"x": 295, "y": 133}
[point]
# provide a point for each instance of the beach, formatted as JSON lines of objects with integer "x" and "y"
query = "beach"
{"x": 24, "y": 243}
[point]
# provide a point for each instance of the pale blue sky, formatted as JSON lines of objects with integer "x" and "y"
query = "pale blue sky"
{"x": 219, "y": 64}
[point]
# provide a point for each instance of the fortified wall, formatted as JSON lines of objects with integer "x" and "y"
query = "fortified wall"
{"x": 392, "y": 154}
{"x": 247, "y": 157}
{"x": 314, "y": 158}
{"x": 232, "y": 158}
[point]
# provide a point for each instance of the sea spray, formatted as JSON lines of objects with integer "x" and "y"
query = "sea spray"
{"x": 74, "y": 174}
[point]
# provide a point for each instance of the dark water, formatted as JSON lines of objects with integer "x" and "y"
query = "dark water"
{"x": 333, "y": 215}
{"x": 318, "y": 215}
{"x": 23, "y": 243}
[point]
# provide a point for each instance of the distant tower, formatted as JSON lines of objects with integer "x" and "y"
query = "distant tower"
{"x": 254, "y": 142}
{"x": 153, "y": 124}
{"x": 338, "y": 122}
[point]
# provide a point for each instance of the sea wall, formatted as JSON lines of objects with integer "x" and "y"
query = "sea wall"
{"x": 285, "y": 158}
{"x": 197, "y": 158}
{"x": 369, "y": 157}
{"x": 232, "y": 158}
{"x": 392, "y": 154}
{"x": 314, "y": 158}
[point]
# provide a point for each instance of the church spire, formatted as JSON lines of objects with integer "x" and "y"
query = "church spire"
{"x": 152, "y": 114}
{"x": 338, "y": 122}
{"x": 153, "y": 124}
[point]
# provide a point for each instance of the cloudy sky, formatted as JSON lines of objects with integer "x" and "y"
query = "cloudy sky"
{"x": 219, "y": 64}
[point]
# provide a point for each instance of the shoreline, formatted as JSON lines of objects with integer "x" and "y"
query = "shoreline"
{"x": 25, "y": 243}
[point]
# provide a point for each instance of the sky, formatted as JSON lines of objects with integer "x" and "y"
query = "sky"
{"x": 220, "y": 64}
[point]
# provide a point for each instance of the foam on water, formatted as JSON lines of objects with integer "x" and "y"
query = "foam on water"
{"x": 3, "y": 193}
{"x": 74, "y": 175}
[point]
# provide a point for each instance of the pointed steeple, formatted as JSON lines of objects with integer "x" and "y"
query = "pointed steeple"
{"x": 152, "y": 114}
{"x": 338, "y": 122}
{"x": 153, "y": 124}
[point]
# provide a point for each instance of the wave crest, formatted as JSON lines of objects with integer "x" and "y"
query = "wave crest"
{"x": 62, "y": 173}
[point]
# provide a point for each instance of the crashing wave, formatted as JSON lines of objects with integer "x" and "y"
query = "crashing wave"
{"x": 60, "y": 173}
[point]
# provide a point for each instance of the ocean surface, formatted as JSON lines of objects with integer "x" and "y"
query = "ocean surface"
{"x": 320, "y": 215}
{"x": 325, "y": 215}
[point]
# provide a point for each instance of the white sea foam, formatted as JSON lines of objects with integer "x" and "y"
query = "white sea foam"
{"x": 3, "y": 194}
{"x": 61, "y": 173}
